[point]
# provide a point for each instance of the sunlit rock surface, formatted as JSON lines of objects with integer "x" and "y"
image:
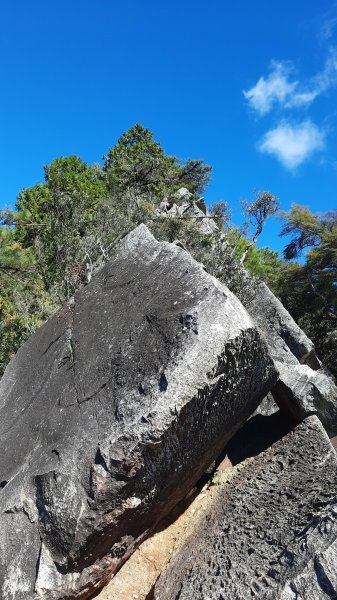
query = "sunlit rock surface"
{"x": 304, "y": 387}
{"x": 111, "y": 412}
{"x": 270, "y": 532}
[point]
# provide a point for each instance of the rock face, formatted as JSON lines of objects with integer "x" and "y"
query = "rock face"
{"x": 183, "y": 207}
{"x": 304, "y": 392}
{"x": 267, "y": 407}
{"x": 111, "y": 412}
{"x": 271, "y": 531}
{"x": 303, "y": 388}
{"x": 286, "y": 339}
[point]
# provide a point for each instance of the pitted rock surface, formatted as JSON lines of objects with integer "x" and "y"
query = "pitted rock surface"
{"x": 110, "y": 413}
{"x": 271, "y": 530}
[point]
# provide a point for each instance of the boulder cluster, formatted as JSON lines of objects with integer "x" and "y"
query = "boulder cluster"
{"x": 128, "y": 401}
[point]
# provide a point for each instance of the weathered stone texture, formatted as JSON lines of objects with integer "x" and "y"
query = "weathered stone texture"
{"x": 304, "y": 387}
{"x": 303, "y": 392}
{"x": 286, "y": 339}
{"x": 111, "y": 412}
{"x": 271, "y": 531}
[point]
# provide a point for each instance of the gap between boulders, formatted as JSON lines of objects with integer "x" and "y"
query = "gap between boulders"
{"x": 136, "y": 578}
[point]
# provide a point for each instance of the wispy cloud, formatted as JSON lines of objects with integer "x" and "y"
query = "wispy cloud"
{"x": 280, "y": 88}
{"x": 275, "y": 88}
{"x": 328, "y": 22}
{"x": 328, "y": 28}
{"x": 291, "y": 144}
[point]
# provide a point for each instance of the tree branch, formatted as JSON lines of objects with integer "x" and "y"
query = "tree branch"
{"x": 319, "y": 295}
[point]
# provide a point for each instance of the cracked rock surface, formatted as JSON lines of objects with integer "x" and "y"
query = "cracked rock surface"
{"x": 271, "y": 530}
{"x": 110, "y": 413}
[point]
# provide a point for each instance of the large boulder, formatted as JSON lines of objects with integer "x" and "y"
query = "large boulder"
{"x": 303, "y": 391}
{"x": 270, "y": 532}
{"x": 111, "y": 412}
{"x": 304, "y": 386}
{"x": 285, "y": 338}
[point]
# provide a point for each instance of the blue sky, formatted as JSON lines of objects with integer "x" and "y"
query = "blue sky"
{"x": 251, "y": 87}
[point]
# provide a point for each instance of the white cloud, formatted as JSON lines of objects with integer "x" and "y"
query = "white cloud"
{"x": 279, "y": 88}
{"x": 292, "y": 145}
{"x": 276, "y": 88}
{"x": 329, "y": 22}
{"x": 328, "y": 28}
{"x": 328, "y": 77}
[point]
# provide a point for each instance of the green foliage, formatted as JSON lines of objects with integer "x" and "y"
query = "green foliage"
{"x": 261, "y": 262}
{"x": 257, "y": 212}
{"x": 264, "y": 205}
{"x": 56, "y": 216}
{"x": 221, "y": 213}
{"x": 31, "y": 206}
{"x": 13, "y": 257}
{"x": 308, "y": 289}
{"x": 194, "y": 175}
{"x": 304, "y": 227}
{"x": 24, "y": 303}
{"x": 63, "y": 227}
{"x": 138, "y": 167}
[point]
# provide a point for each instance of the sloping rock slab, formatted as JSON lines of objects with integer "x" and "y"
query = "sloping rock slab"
{"x": 111, "y": 412}
{"x": 304, "y": 387}
{"x": 285, "y": 337}
{"x": 271, "y": 530}
{"x": 302, "y": 392}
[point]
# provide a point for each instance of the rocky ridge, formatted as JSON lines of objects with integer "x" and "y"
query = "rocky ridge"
{"x": 113, "y": 410}
{"x": 304, "y": 387}
{"x": 270, "y": 530}
{"x": 124, "y": 402}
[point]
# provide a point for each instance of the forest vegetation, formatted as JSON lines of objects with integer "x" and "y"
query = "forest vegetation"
{"x": 62, "y": 227}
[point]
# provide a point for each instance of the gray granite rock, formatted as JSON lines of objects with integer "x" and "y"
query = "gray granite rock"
{"x": 270, "y": 532}
{"x": 191, "y": 210}
{"x": 267, "y": 407}
{"x": 285, "y": 338}
{"x": 303, "y": 391}
{"x": 183, "y": 206}
{"x": 110, "y": 413}
{"x": 304, "y": 386}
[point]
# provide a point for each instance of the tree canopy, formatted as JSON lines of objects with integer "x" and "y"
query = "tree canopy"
{"x": 63, "y": 226}
{"x": 60, "y": 227}
{"x": 308, "y": 286}
{"x": 138, "y": 166}
{"x": 257, "y": 212}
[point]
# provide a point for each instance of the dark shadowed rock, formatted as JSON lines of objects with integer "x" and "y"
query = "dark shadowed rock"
{"x": 271, "y": 530}
{"x": 304, "y": 387}
{"x": 110, "y": 413}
